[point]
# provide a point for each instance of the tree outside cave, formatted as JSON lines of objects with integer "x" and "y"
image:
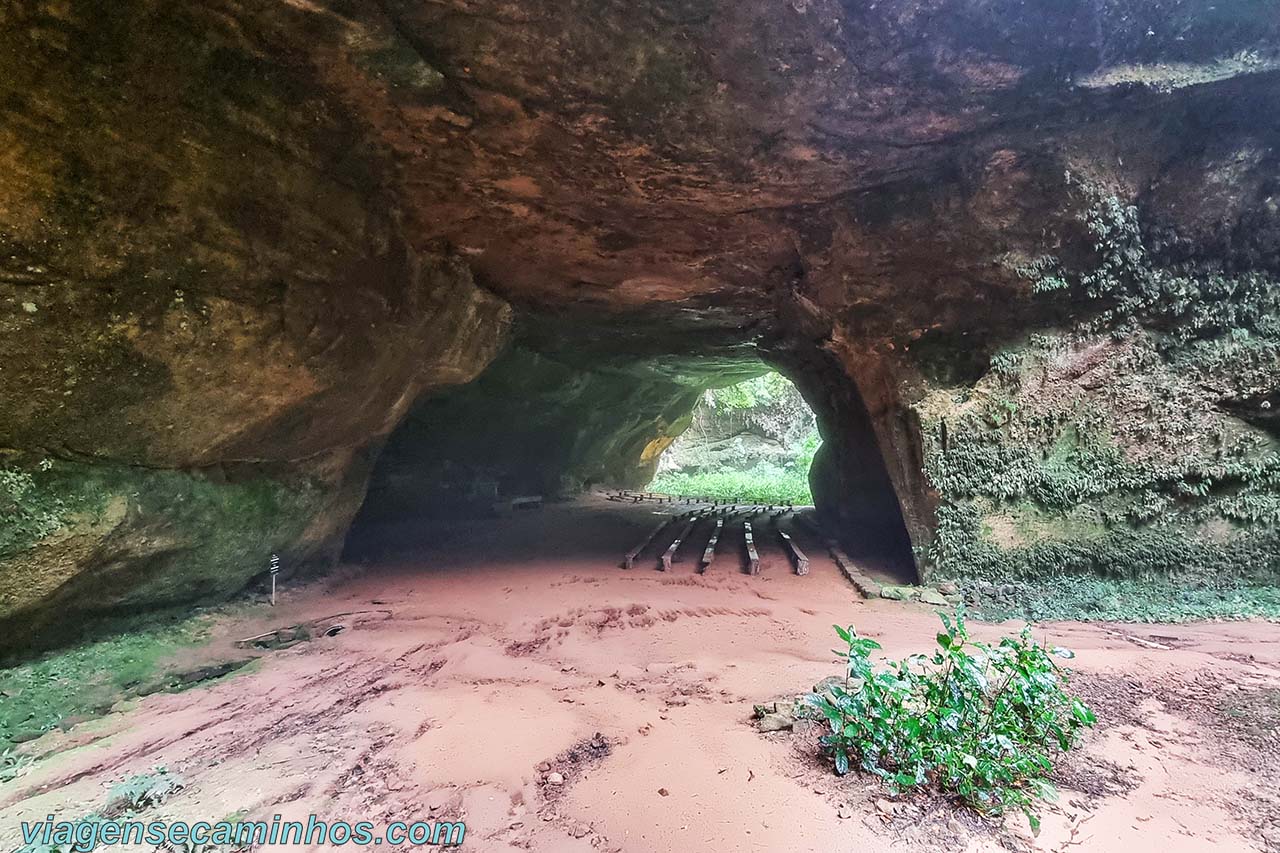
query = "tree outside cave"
{"x": 752, "y": 441}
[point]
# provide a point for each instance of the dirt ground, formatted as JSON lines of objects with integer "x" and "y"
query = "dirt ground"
{"x": 504, "y": 652}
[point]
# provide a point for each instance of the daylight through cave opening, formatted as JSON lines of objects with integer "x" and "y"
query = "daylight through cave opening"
{"x": 554, "y": 425}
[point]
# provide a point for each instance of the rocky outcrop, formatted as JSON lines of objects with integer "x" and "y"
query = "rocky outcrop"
{"x": 242, "y": 240}
{"x": 529, "y": 425}
{"x": 1116, "y": 445}
{"x": 211, "y": 309}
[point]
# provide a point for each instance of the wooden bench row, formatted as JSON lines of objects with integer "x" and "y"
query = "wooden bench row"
{"x": 686, "y": 522}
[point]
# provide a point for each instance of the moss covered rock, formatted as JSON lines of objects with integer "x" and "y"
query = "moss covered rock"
{"x": 239, "y": 242}
{"x": 209, "y": 307}
{"x": 1117, "y": 447}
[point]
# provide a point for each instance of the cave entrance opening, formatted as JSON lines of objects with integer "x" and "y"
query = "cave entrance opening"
{"x": 538, "y": 423}
{"x": 753, "y": 441}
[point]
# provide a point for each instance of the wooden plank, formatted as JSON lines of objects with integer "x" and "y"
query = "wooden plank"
{"x": 753, "y": 557}
{"x": 669, "y": 556}
{"x": 798, "y": 557}
{"x": 865, "y": 586}
{"x": 630, "y": 558}
{"x": 709, "y": 554}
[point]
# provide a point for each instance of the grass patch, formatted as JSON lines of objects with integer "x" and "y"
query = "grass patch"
{"x": 1156, "y": 599}
{"x": 86, "y": 680}
{"x": 764, "y": 484}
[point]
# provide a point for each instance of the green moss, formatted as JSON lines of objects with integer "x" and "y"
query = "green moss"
{"x": 175, "y": 537}
{"x": 32, "y": 507}
{"x": 1034, "y": 524}
{"x": 1175, "y": 598}
{"x": 963, "y": 550}
{"x": 1079, "y": 506}
{"x": 1123, "y": 285}
{"x": 87, "y": 680}
{"x": 402, "y": 67}
{"x": 1122, "y": 494}
{"x": 225, "y": 532}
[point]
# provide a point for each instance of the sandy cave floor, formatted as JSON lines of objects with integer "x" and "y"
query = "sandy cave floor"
{"x": 499, "y": 651}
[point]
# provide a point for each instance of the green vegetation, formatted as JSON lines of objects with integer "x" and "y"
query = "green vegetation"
{"x": 12, "y": 764}
{"x": 124, "y": 801}
{"x": 1091, "y": 472}
{"x": 1184, "y": 302}
{"x": 768, "y": 393}
{"x": 87, "y": 680}
{"x": 142, "y": 791}
{"x": 1053, "y": 507}
{"x": 753, "y": 441}
{"x": 209, "y": 537}
{"x": 981, "y": 723}
{"x": 1178, "y": 597}
{"x": 29, "y": 511}
{"x": 763, "y": 484}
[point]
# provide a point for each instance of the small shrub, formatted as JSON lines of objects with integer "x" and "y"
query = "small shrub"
{"x": 12, "y": 764}
{"x": 124, "y": 801}
{"x": 28, "y": 512}
{"x": 980, "y": 723}
{"x": 142, "y": 791}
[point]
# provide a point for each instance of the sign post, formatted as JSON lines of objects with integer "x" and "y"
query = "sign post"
{"x": 275, "y": 570}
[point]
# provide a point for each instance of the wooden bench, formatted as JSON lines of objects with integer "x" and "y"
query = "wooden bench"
{"x": 753, "y": 557}
{"x": 669, "y": 556}
{"x": 629, "y": 559}
{"x": 709, "y": 554}
{"x": 797, "y": 556}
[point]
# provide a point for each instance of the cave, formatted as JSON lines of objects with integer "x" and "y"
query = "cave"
{"x": 1021, "y": 263}
{"x": 340, "y": 343}
{"x": 557, "y": 422}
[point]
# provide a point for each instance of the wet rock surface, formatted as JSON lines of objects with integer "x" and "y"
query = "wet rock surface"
{"x": 240, "y": 243}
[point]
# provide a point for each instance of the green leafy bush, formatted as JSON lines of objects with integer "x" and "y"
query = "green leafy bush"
{"x": 124, "y": 802}
{"x": 765, "y": 483}
{"x": 981, "y": 723}
{"x": 27, "y": 512}
{"x": 142, "y": 791}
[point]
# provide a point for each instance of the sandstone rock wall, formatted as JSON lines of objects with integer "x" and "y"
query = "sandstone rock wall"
{"x": 209, "y": 309}
{"x": 529, "y": 425}
{"x": 240, "y": 240}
